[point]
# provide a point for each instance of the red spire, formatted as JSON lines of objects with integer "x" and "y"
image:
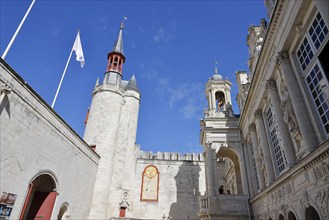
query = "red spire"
{"x": 116, "y": 57}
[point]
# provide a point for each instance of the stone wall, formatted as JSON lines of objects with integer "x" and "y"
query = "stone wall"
{"x": 181, "y": 183}
{"x": 34, "y": 140}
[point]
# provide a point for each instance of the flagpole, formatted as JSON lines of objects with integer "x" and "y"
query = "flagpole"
{"x": 18, "y": 29}
{"x": 60, "y": 83}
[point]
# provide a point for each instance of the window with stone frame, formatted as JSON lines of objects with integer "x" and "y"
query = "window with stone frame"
{"x": 275, "y": 140}
{"x": 311, "y": 55}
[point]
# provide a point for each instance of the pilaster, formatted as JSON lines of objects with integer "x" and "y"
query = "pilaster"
{"x": 260, "y": 176}
{"x": 286, "y": 141}
{"x": 309, "y": 140}
{"x": 264, "y": 144}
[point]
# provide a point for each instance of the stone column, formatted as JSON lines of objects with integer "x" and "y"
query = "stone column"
{"x": 247, "y": 169}
{"x": 244, "y": 170}
{"x": 323, "y": 8}
{"x": 210, "y": 171}
{"x": 309, "y": 141}
{"x": 250, "y": 168}
{"x": 260, "y": 176}
{"x": 210, "y": 100}
{"x": 266, "y": 150}
{"x": 213, "y": 96}
{"x": 286, "y": 142}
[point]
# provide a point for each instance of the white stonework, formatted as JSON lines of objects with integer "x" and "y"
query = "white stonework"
{"x": 269, "y": 162}
{"x": 35, "y": 141}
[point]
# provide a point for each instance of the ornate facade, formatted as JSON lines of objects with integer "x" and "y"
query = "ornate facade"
{"x": 283, "y": 150}
{"x": 269, "y": 162}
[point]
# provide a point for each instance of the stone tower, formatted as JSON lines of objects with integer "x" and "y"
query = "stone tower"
{"x": 226, "y": 190}
{"x": 111, "y": 130}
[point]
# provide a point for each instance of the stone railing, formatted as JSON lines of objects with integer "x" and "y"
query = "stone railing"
{"x": 203, "y": 204}
{"x": 170, "y": 156}
{"x": 224, "y": 205}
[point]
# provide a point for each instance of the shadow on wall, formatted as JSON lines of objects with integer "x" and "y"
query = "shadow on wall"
{"x": 188, "y": 192}
{"x": 4, "y": 105}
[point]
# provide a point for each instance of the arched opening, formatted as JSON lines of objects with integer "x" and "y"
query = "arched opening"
{"x": 229, "y": 171}
{"x": 281, "y": 217}
{"x": 111, "y": 61}
{"x": 311, "y": 214}
{"x": 115, "y": 61}
{"x": 291, "y": 216}
{"x": 63, "y": 212}
{"x": 40, "y": 199}
{"x": 220, "y": 101}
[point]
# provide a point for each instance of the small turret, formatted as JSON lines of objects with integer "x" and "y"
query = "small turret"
{"x": 218, "y": 91}
{"x": 132, "y": 84}
{"x": 116, "y": 57}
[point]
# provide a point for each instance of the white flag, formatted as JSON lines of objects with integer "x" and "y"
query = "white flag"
{"x": 77, "y": 47}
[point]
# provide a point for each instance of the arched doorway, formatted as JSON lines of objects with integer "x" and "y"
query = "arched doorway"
{"x": 291, "y": 216}
{"x": 40, "y": 200}
{"x": 311, "y": 214}
{"x": 281, "y": 217}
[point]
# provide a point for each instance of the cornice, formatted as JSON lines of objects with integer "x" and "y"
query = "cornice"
{"x": 262, "y": 61}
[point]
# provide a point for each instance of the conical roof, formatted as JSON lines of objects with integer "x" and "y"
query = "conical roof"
{"x": 132, "y": 85}
{"x": 118, "y": 46}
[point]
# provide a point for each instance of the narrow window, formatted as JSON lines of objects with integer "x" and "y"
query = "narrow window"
{"x": 279, "y": 155}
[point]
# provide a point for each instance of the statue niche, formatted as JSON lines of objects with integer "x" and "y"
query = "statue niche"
{"x": 220, "y": 100}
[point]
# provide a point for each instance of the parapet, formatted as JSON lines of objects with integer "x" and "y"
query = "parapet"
{"x": 172, "y": 156}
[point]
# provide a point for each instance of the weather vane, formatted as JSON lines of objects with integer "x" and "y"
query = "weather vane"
{"x": 123, "y": 20}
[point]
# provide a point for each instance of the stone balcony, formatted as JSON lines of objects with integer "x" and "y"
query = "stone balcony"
{"x": 224, "y": 207}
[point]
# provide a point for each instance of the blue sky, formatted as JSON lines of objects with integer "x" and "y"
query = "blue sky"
{"x": 170, "y": 46}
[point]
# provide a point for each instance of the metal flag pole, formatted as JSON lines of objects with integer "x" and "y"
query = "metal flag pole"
{"x": 19, "y": 27}
{"x": 60, "y": 83}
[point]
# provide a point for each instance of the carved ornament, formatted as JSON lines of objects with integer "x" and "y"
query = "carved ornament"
{"x": 282, "y": 58}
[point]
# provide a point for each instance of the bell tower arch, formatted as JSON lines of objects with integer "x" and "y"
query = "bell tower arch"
{"x": 218, "y": 91}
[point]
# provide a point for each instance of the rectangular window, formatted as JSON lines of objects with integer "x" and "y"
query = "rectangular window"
{"x": 312, "y": 41}
{"x": 311, "y": 53}
{"x": 279, "y": 155}
{"x": 318, "y": 31}
{"x": 317, "y": 85}
{"x": 305, "y": 54}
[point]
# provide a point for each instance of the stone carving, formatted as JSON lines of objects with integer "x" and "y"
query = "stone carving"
{"x": 300, "y": 28}
{"x": 270, "y": 84}
{"x": 321, "y": 171}
{"x": 206, "y": 113}
{"x": 304, "y": 200}
{"x": 258, "y": 114}
{"x": 322, "y": 199}
{"x": 288, "y": 112}
{"x": 252, "y": 127}
{"x": 124, "y": 202}
{"x": 282, "y": 58}
{"x": 289, "y": 116}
